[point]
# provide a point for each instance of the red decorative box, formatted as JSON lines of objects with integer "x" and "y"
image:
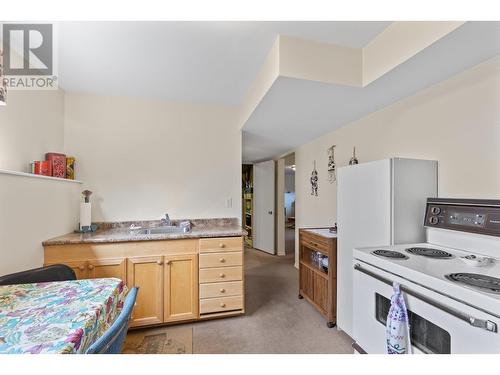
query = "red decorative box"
{"x": 43, "y": 168}
{"x": 58, "y": 163}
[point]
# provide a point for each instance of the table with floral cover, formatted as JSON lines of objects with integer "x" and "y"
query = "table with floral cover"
{"x": 58, "y": 317}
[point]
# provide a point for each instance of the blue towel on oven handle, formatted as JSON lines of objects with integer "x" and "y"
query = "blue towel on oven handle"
{"x": 398, "y": 325}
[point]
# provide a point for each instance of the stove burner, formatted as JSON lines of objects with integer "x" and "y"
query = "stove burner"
{"x": 476, "y": 281}
{"x": 430, "y": 253}
{"x": 389, "y": 254}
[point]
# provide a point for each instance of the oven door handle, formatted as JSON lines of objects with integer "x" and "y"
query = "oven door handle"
{"x": 488, "y": 325}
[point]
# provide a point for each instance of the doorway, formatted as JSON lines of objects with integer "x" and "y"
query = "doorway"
{"x": 289, "y": 204}
{"x": 259, "y": 205}
{"x": 285, "y": 206}
{"x": 247, "y": 202}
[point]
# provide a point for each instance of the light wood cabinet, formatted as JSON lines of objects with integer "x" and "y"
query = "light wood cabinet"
{"x": 146, "y": 273}
{"x": 216, "y": 245}
{"x": 101, "y": 268}
{"x": 224, "y": 289}
{"x": 221, "y": 277}
{"x": 80, "y": 268}
{"x": 217, "y": 305}
{"x": 221, "y": 259}
{"x": 180, "y": 288}
{"x": 176, "y": 278}
{"x": 213, "y": 275}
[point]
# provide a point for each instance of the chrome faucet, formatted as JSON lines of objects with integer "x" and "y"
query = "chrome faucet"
{"x": 166, "y": 220}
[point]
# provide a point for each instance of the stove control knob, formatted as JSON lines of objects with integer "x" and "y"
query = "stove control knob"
{"x": 435, "y": 210}
{"x": 433, "y": 220}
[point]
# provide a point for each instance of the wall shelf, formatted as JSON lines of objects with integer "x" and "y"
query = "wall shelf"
{"x": 32, "y": 175}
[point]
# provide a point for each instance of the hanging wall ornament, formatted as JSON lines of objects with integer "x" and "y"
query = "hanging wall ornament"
{"x": 353, "y": 160}
{"x": 332, "y": 176}
{"x": 314, "y": 181}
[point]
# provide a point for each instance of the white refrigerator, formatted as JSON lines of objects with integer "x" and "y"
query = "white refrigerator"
{"x": 379, "y": 203}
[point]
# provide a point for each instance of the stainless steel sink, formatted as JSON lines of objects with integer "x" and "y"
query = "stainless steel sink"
{"x": 160, "y": 230}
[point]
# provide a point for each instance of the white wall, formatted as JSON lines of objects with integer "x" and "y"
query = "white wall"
{"x": 143, "y": 158}
{"x": 31, "y": 124}
{"x": 456, "y": 122}
{"x": 32, "y": 209}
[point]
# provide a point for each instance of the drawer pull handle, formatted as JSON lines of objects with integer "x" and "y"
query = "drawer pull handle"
{"x": 91, "y": 267}
{"x": 81, "y": 268}
{"x": 222, "y": 260}
{"x": 221, "y": 245}
{"x": 222, "y": 304}
{"x": 159, "y": 262}
{"x": 221, "y": 275}
{"x": 223, "y": 290}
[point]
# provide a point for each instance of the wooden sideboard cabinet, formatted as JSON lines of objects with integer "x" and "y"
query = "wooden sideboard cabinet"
{"x": 176, "y": 283}
{"x": 318, "y": 283}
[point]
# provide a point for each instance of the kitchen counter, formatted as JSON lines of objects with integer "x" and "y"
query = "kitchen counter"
{"x": 323, "y": 232}
{"x": 121, "y": 232}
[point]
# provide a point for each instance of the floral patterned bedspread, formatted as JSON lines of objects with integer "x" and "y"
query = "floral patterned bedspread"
{"x": 58, "y": 317}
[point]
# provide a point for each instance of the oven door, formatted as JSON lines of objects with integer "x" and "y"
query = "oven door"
{"x": 437, "y": 323}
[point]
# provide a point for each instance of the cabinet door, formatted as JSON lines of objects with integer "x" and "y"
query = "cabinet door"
{"x": 102, "y": 268}
{"x": 80, "y": 268}
{"x": 146, "y": 273}
{"x": 320, "y": 291}
{"x": 306, "y": 281}
{"x": 181, "y": 287}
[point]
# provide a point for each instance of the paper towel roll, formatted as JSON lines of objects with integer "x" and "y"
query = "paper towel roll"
{"x": 85, "y": 215}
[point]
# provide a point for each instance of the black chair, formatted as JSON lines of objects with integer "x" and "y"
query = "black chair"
{"x": 56, "y": 272}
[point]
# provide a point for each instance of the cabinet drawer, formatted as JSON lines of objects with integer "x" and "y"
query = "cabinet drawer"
{"x": 213, "y": 275}
{"x": 314, "y": 238}
{"x": 212, "y": 305}
{"x": 221, "y": 259}
{"x": 314, "y": 244}
{"x": 234, "y": 288}
{"x": 216, "y": 245}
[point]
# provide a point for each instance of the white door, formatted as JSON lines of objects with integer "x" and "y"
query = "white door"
{"x": 364, "y": 219}
{"x": 263, "y": 194}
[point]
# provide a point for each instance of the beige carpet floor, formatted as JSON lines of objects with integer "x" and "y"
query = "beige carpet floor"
{"x": 276, "y": 321}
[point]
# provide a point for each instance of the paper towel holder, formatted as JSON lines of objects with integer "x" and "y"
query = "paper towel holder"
{"x": 86, "y": 194}
{"x": 85, "y": 224}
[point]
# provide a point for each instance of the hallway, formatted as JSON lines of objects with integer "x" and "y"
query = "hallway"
{"x": 276, "y": 321}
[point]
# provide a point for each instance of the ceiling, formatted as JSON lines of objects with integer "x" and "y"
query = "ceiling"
{"x": 296, "y": 111}
{"x": 201, "y": 62}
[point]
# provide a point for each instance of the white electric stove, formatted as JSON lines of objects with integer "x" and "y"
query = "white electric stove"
{"x": 451, "y": 283}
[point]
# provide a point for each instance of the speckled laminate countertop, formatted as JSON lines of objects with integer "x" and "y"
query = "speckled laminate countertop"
{"x": 121, "y": 232}
{"x": 324, "y": 232}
